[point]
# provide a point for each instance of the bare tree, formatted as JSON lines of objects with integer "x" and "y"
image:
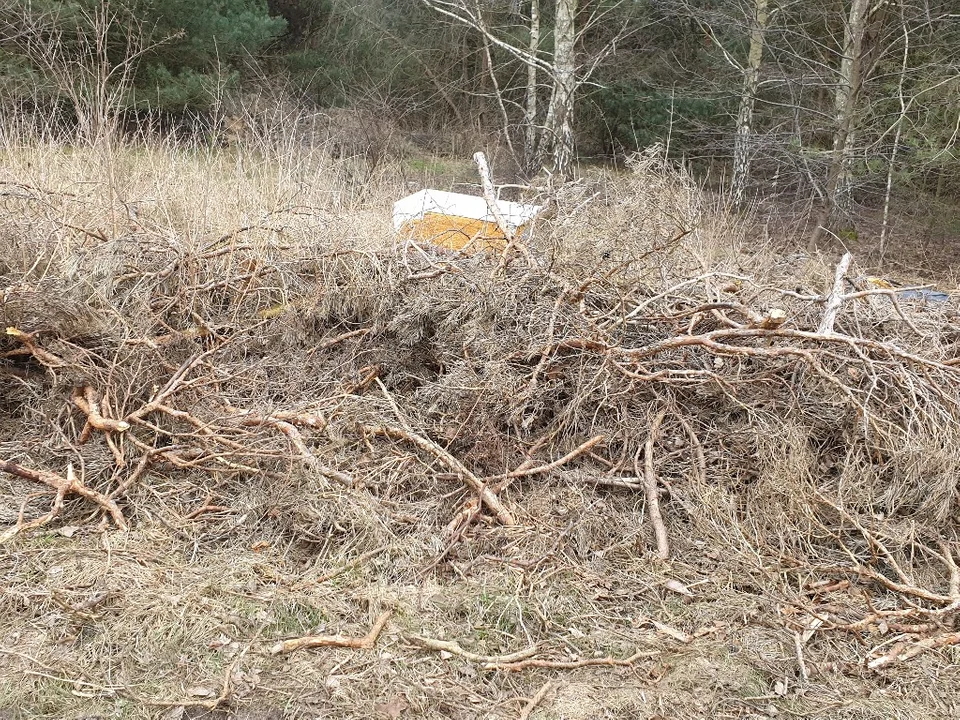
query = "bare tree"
{"x": 742, "y": 149}
{"x": 548, "y": 141}
{"x": 557, "y": 137}
{"x": 857, "y": 54}
{"x": 81, "y": 63}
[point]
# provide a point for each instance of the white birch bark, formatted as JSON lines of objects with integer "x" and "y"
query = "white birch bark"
{"x": 558, "y": 136}
{"x": 742, "y": 150}
{"x": 530, "y": 158}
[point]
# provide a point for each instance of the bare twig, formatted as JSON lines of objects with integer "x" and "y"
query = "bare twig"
{"x": 296, "y": 439}
{"x": 212, "y": 703}
{"x": 571, "y": 664}
{"x": 522, "y": 471}
{"x": 535, "y": 700}
{"x": 454, "y": 648}
{"x": 360, "y": 559}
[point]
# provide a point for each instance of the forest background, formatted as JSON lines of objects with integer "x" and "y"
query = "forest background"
{"x": 845, "y": 113}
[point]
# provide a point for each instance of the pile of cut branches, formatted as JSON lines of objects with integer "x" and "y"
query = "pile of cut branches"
{"x": 816, "y": 429}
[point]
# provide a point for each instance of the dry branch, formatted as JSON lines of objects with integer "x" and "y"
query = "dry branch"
{"x": 65, "y": 486}
{"x": 560, "y": 462}
{"x": 650, "y": 488}
{"x": 903, "y": 652}
{"x": 570, "y": 664}
{"x": 489, "y": 195}
{"x": 85, "y": 398}
{"x": 359, "y": 560}
{"x": 494, "y": 369}
{"x": 44, "y": 357}
{"x": 486, "y": 495}
{"x": 531, "y": 705}
{"x": 454, "y": 648}
{"x": 296, "y": 439}
{"x": 836, "y": 297}
{"x": 314, "y": 641}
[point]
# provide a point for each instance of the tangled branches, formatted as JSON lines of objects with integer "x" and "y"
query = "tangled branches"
{"x": 729, "y": 400}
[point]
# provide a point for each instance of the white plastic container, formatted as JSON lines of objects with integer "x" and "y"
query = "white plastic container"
{"x": 457, "y": 221}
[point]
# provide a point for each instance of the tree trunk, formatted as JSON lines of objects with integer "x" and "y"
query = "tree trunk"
{"x": 530, "y": 159}
{"x": 742, "y": 150}
{"x": 558, "y": 137}
{"x": 839, "y": 180}
{"x": 885, "y": 227}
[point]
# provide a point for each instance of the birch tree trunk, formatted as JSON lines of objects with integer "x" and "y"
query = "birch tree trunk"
{"x": 742, "y": 150}
{"x": 558, "y": 139}
{"x": 530, "y": 159}
{"x": 846, "y": 100}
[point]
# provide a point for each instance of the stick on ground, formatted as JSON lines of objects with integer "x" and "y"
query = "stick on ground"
{"x": 535, "y": 700}
{"x": 65, "y": 486}
{"x": 454, "y": 648}
{"x": 650, "y": 489}
{"x": 313, "y": 641}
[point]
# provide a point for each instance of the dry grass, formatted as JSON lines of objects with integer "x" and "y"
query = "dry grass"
{"x": 807, "y": 483}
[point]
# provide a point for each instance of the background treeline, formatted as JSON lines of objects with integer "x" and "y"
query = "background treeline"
{"x": 844, "y": 105}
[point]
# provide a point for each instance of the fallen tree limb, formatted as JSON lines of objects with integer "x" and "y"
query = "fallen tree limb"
{"x": 178, "y": 380}
{"x": 313, "y": 641}
{"x": 719, "y": 341}
{"x": 65, "y": 486}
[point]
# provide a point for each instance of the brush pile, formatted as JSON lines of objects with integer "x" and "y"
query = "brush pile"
{"x": 767, "y": 409}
